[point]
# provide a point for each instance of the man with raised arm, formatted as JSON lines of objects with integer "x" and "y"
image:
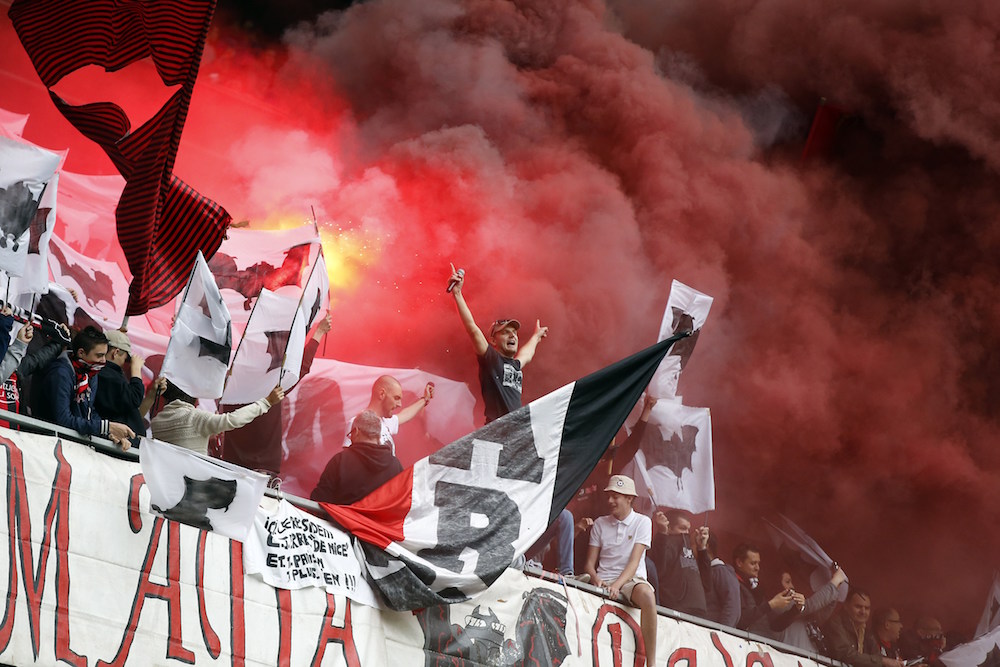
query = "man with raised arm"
{"x": 500, "y": 359}
{"x": 387, "y": 398}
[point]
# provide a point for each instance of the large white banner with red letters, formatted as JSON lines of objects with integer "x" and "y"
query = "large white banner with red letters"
{"x": 93, "y": 579}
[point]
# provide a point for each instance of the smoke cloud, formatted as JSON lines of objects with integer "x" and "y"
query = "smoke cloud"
{"x": 575, "y": 157}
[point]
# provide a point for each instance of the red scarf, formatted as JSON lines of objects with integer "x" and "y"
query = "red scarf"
{"x": 84, "y": 371}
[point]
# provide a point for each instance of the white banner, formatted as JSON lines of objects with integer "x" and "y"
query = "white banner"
{"x": 93, "y": 578}
{"x": 291, "y": 549}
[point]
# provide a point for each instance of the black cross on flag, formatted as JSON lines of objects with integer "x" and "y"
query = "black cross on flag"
{"x": 485, "y": 498}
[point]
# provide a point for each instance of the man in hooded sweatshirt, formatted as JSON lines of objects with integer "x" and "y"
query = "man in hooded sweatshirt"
{"x": 356, "y": 471}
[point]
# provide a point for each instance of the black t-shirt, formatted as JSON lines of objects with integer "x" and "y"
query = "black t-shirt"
{"x": 500, "y": 381}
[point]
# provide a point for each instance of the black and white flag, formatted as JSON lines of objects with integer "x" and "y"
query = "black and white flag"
{"x": 201, "y": 339}
{"x": 444, "y": 529}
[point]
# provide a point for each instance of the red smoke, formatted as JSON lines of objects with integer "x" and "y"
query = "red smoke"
{"x": 849, "y": 359}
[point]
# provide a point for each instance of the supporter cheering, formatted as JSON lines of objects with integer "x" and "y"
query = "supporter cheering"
{"x": 12, "y": 352}
{"x": 387, "y": 397}
{"x": 618, "y": 542}
{"x": 68, "y": 386}
{"x": 181, "y": 423}
{"x": 120, "y": 399}
{"x": 681, "y": 585}
{"x": 500, "y": 360}
{"x": 353, "y": 473}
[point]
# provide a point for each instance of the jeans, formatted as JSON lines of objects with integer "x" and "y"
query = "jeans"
{"x": 562, "y": 531}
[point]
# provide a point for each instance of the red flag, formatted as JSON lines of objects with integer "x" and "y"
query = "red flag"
{"x": 162, "y": 223}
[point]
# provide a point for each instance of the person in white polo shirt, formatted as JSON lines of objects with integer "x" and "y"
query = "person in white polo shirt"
{"x": 616, "y": 557}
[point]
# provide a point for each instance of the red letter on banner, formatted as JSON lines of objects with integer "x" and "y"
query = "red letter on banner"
{"x": 616, "y": 635}
{"x": 171, "y": 592}
{"x": 34, "y": 585}
{"x": 339, "y": 635}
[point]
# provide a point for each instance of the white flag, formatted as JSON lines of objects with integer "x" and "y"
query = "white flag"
{"x": 250, "y": 260}
{"x": 316, "y": 295}
{"x": 687, "y": 309}
{"x": 100, "y": 286}
{"x": 990, "y": 619}
{"x": 980, "y": 652}
{"x": 674, "y": 465}
{"x": 27, "y": 173}
{"x": 270, "y": 352}
{"x": 201, "y": 340}
{"x": 205, "y": 493}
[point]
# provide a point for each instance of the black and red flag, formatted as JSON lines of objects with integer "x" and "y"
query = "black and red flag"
{"x": 162, "y": 222}
{"x": 444, "y": 529}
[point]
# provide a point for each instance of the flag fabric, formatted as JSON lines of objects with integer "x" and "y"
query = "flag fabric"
{"x": 28, "y": 184}
{"x": 87, "y": 213}
{"x": 315, "y": 416}
{"x": 270, "y": 352}
{"x": 790, "y": 539}
{"x": 982, "y": 651}
{"x": 250, "y": 260}
{"x": 162, "y": 222}
{"x": 12, "y": 123}
{"x": 205, "y": 493}
{"x": 445, "y": 528}
{"x": 315, "y": 300}
{"x": 101, "y": 287}
{"x": 201, "y": 340}
{"x": 292, "y": 549}
{"x": 674, "y": 466}
{"x": 687, "y": 310}
{"x": 990, "y": 620}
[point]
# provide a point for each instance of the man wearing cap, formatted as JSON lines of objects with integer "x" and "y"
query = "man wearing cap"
{"x": 121, "y": 399}
{"x": 618, "y": 543}
{"x": 500, "y": 360}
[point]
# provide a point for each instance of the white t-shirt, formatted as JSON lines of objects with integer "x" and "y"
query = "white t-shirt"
{"x": 390, "y": 427}
{"x": 616, "y": 540}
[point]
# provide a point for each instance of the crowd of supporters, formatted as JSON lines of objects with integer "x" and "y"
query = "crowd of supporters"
{"x": 91, "y": 381}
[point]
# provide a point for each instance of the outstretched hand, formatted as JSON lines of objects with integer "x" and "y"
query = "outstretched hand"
{"x": 540, "y": 331}
{"x": 456, "y": 280}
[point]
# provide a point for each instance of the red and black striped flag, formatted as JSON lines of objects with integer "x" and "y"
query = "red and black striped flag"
{"x": 162, "y": 222}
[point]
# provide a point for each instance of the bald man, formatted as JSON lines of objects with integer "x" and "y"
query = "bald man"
{"x": 387, "y": 398}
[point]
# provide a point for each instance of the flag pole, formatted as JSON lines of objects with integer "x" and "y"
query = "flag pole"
{"x": 321, "y": 254}
{"x": 229, "y": 371}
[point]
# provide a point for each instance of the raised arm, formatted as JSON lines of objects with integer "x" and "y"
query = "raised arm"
{"x": 479, "y": 342}
{"x": 527, "y": 351}
{"x": 411, "y": 410}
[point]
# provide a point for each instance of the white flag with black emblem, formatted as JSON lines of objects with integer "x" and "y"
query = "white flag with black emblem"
{"x": 205, "y": 493}
{"x": 28, "y": 183}
{"x": 447, "y": 527}
{"x": 201, "y": 339}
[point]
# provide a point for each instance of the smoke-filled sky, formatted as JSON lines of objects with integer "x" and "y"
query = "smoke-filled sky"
{"x": 575, "y": 157}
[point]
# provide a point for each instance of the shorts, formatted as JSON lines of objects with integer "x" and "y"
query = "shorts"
{"x": 627, "y": 589}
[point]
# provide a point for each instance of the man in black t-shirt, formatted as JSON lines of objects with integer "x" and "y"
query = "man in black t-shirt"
{"x": 500, "y": 360}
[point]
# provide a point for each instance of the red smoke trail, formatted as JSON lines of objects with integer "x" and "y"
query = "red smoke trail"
{"x": 848, "y": 360}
